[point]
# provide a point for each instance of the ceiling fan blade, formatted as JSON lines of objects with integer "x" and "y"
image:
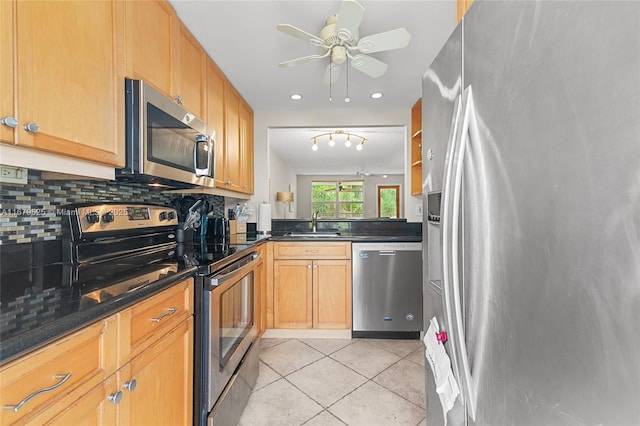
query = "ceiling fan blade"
{"x": 335, "y": 73}
{"x": 388, "y": 40}
{"x": 369, "y": 65}
{"x": 298, "y": 33}
{"x": 302, "y": 60}
{"x": 349, "y": 18}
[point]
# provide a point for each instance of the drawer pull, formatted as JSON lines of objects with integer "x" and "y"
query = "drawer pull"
{"x": 311, "y": 250}
{"x": 171, "y": 311}
{"x": 62, "y": 377}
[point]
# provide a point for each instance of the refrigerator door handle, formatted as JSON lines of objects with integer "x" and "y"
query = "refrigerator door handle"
{"x": 445, "y": 215}
{"x": 469, "y": 128}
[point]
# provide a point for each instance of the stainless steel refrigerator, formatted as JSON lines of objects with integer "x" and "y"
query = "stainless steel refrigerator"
{"x": 531, "y": 183}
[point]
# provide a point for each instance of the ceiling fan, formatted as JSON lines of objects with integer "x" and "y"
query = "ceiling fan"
{"x": 340, "y": 40}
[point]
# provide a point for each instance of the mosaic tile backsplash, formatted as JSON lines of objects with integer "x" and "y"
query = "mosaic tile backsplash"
{"x": 28, "y": 213}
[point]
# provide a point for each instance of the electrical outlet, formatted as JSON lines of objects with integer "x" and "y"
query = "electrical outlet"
{"x": 419, "y": 210}
{"x": 10, "y": 174}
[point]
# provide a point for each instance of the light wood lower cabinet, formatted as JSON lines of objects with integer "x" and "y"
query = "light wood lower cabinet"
{"x": 164, "y": 381}
{"x": 96, "y": 376}
{"x": 312, "y": 285}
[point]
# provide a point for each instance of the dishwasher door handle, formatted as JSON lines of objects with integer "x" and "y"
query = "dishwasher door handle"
{"x": 387, "y": 252}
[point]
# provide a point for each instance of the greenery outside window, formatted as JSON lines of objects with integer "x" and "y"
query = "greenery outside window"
{"x": 338, "y": 200}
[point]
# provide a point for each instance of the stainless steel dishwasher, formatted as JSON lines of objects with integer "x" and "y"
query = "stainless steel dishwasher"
{"x": 387, "y": 289}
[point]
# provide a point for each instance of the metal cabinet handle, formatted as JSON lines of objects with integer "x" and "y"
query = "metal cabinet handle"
{"x": 130, "y": 385}
{"x": 315, "y": 266}
{"x": 9, "y": 121}
{"x": 62, "y": 377}
{"x": 309, "y": 266}
{"x": 31, "y": 127}
{"x": 171, "y": 311}
{"x": 311, "y": 251}
{"x": 178, "y": 99}
{"x": 115, "y": 397}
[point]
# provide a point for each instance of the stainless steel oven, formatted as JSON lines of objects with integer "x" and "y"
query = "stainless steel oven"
{"x": 230, "y": 359}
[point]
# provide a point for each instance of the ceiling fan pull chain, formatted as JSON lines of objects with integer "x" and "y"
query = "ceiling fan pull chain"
{"x": 347, "y": 99}
{"x": 330, "y": 78}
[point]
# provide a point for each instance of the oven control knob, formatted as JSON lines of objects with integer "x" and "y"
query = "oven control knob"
{"x": 171, "y": 215}
{"x": 163, "y": 215}
{"x": 93, "y": 217}
{"x": 108, "y": 217}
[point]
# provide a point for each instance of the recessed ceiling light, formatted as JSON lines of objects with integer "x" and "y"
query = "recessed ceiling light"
{"x": 376, "y": 95}
{"x": 296, "y": 97}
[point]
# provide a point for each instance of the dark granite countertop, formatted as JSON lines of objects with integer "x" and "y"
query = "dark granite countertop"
{"x": 66, "y": 319}
{"x": 39, "y": 304}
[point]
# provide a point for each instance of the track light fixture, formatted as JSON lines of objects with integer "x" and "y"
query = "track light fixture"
{"x": 332, "y": 142}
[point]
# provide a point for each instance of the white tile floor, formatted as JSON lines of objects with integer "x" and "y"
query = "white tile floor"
{"x": 326, "y": 382}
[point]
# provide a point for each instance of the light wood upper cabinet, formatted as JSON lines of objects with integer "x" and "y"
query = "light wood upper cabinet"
{"x": 162, "y": 51}
{"x": 461, "y": 8}
{"x": 246, "y": 148}
{"x": 151, "y": 36}
{"x": 191, "y": 76}
{"x": 215, "y": 108}
{"x": 7, "y": 111}
{"x": 229, "y": 171}
{"x": 416, "y": 148}
{"x": 68, "y": 77}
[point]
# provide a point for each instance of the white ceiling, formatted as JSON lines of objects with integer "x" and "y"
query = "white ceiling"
{"x": 381, "y": 153}
{"x": 241, "y": 37}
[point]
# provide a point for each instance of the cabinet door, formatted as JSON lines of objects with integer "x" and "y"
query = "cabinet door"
{"x": 6, "y": 70}
{"x": 46, "y": 381}
{"x": 191, "y": 75}
{"x": 163, "y": 376}
{"x": 246, "y": 148}
{"x": 332, "y": 294}
{"x": 216, "y": 83}
{"x": 96, "y": 407}
{"x": 232, "y": 140}
{"x": 292, "y": 294}
{"x": 69, "y": 74}
{"x": 151, "y": 34}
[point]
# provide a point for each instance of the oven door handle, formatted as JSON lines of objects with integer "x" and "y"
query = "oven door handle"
{"x": 233, "y": 270}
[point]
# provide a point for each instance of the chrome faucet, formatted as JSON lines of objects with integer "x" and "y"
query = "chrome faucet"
{"x": 314, "y": 221}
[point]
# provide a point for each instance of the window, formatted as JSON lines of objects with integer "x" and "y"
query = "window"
{"x": 388, "y": 201}
{"x": 337, "y": 199}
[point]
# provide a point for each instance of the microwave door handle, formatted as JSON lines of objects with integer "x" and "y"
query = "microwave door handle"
{"x": 201, "y": 139}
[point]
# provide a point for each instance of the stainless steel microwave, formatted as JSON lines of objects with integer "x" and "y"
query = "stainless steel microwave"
{"x": 165, "y": 144}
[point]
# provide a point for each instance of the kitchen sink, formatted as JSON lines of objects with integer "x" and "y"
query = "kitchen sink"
{"x": 312, "y": 234}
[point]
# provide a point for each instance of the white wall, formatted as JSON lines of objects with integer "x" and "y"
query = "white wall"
{"x": 264, "y": 178}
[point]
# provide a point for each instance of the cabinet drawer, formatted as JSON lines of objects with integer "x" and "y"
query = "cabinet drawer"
{"x": 312, "y": 250}
{"x": 42, "y": 383}
{"x": 151, "y": 319}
